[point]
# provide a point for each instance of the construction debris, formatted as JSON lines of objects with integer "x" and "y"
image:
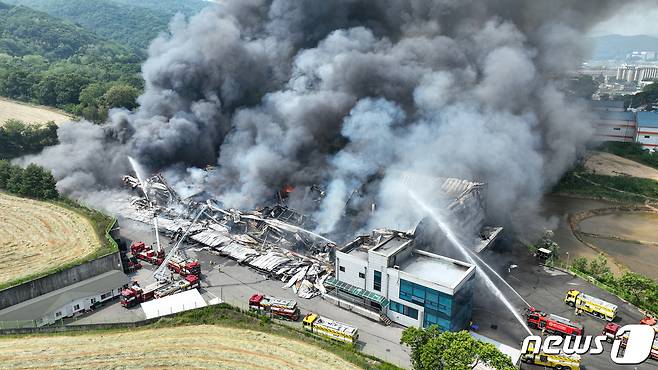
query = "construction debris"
{"x": 273, "y": 240}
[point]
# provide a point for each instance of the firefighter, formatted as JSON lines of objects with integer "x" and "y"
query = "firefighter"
{"x": 578, "y": 311}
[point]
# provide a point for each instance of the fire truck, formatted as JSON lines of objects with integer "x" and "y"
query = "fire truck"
{"x": 184, "y": 267}
{"x": 135, "y": 294}
{"x": 591, "y": 305}
{"x": 552, "y": 324}
{"x": 648, "y": 320}
{"x": 560, "y": 361}
{"x": 330, "y": 329}
{"x": 132, "y": 264}
{"x": 282, "y": 308}
{"x": 146, "y": 253}
{"x": 610, "y": 330}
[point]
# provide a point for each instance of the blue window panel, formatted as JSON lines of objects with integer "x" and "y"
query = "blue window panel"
{"x": 445, "y": 304}
{"x": 393, "y": 306}
{"x": 405, "y": 290}
{"x": 432, "y": 299}
{"x": 377, "y": 283}
{"x": 400, "y": 308}
{"x": 412, "y": 312}
{"x": 430, "y": 319}
{"x": 437, "y": 313}
{"x": 418, "y": 291}
{"x": 406, "y": 286}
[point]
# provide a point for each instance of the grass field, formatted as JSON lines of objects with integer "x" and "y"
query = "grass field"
{"x": 10, "y": 109}
{"x": 196, "y": 346}
{"x": 37, "y": 237}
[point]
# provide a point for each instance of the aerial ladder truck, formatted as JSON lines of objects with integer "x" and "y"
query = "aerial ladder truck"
{"x": 165, "y": 283}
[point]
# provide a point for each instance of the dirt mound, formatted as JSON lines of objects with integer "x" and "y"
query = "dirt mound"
{"x": 612, "y": 165}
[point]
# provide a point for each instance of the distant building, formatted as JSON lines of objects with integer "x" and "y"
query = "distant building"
{"x": 647, "y": 129}
{"x": 615, "y": 126}
{"x": 386, "y": 274}
{"x": 635, "y": 73}
{"x": 66, "y": 302}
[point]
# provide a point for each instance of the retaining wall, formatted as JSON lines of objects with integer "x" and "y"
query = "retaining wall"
{"x": 84, "y": 327}
{"x": 58, "y": 280}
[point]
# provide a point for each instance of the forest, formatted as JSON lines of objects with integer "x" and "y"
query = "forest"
{"x": 85, "y": 62}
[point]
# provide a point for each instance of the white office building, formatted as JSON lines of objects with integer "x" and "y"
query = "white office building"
{"x": 386, "y": 274}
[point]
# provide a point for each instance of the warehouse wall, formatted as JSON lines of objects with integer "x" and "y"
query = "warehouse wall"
{"x": 58, "y": 280}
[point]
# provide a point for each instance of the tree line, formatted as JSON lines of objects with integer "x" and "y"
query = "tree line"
{"x": 635, "y": 288}
{"x": 16, "y": 139}
{"x": 33, "y": 181}
{"x": 432, "y": 349}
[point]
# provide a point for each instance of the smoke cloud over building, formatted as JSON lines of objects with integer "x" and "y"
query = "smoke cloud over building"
{"x": 348, "y": 94}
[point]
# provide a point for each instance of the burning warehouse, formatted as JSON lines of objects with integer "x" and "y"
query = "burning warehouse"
{"x": 278, "y": 241}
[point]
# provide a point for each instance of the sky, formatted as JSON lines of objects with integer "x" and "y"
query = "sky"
{"x": 639, "y": 20}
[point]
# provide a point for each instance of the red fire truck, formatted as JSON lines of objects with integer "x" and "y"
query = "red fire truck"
{"x": 282, "y": 308}
{"x": 146, "y": 253}
{"x": 135, "y": 294}
{"x": 133, "y": 264}
{"x": 611, "y": 330}
{"x": 184, "y": 267}
{"x": 553, "y": 324}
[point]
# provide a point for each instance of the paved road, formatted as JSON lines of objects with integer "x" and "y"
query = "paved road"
{"x": 545, "y": 289}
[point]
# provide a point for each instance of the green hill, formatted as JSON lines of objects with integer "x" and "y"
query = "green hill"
{"x": 24, "y": 31}
{"x": 130, "y": 23}
{"x": 50, "y": 61}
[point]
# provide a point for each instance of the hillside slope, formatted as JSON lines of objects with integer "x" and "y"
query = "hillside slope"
{"x": 25, "y": 31}
{"x": 130, "y": 23}
{"x": 50, "y": 61}
{"x": 198, "y": 346}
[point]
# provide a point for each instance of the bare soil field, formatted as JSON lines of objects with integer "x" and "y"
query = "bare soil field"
{"x": 611, "y": 165}
{"x": 30, "y": 113}
{"x": 36, "y": 237}
{"x": 197, "y": 347}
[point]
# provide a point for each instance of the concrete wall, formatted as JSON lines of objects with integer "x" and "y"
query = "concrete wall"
{"x": 353, "y": 266}
{"x": 75, "y": 327}
{"x": 58, "y": 280}
{"x": 376, "y": 262}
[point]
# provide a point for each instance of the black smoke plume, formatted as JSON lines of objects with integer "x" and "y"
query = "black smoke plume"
{"x": 348, "y": 94}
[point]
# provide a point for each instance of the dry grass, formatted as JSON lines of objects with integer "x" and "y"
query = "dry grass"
{"x": 27, "y": 113}
{"x": 36, "y": 237}
{"x": 198, "y": 346}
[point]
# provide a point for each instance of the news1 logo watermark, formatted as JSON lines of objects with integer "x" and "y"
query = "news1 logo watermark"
{"x": 635, "y": 340}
